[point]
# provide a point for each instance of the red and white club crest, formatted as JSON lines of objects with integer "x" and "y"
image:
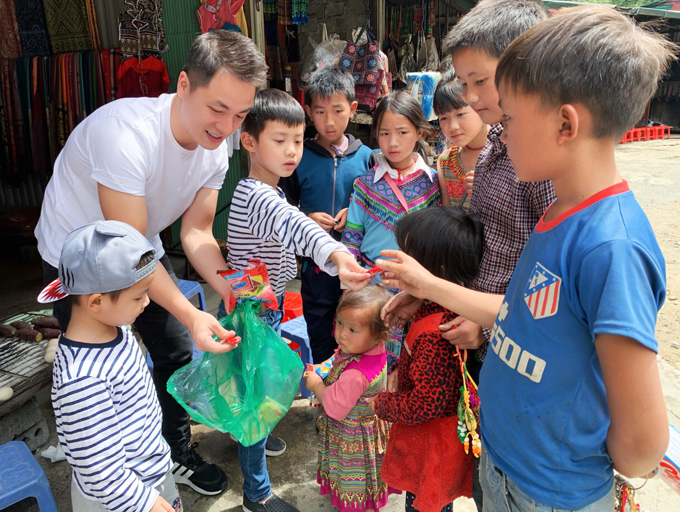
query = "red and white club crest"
{"x": 52, "y": 292}
{"x": 542, "y": 293}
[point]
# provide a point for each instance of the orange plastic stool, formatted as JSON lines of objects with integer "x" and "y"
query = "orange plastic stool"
{"x": 292, "y": 306}
{"x": 647, "y": 133}
{"x": 637, "y": 134}
{"x": 627, "y": 137}
{"x": 665, "y": 131}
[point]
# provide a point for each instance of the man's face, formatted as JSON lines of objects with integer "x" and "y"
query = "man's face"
{"x": 331, "y": 116}
{"x": 476, "y": 71}
{"x": 212, "y": 113}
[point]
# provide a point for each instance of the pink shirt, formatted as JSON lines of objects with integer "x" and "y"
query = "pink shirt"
{"x": 340, "y": 397}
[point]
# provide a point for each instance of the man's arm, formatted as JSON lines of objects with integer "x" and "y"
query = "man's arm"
{"x": 638, "y": 433}
{"x": 199, "y": 243}
{"x": 131, "y": 209}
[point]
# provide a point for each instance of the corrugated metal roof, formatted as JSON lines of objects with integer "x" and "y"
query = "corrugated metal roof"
{"x": 634, "y": 11}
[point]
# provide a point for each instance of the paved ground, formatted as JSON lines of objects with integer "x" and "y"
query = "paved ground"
{"x": 653, "y": 170}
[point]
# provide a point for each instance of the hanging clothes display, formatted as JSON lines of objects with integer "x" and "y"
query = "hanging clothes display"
{"x": 270, "y": 10}
{"x": 92, "y": 24}
{"x": 300, "y": 12}
{"x": 32, "y": 28}
{"x": 148, "y": 77}
{"x": 213, "y": 14}
{"x": 285, "y": 10}
{"x": 67, "y": 33}
{"x": 10, "y": 45}
{"x": 141, "y": 29}
{"x": 42, "y": 99}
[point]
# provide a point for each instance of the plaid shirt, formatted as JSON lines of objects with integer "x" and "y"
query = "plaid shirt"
{"x": 509, "y": 209}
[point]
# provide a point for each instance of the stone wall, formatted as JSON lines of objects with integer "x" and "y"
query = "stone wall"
{"x": 341, "y": 17}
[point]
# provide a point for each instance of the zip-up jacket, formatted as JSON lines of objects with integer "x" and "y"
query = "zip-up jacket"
{"x": 323, "y": 182}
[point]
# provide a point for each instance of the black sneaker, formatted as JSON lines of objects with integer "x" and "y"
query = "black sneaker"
{"x": 274, "y": 447}
{"x": 189, "y": 468}
{"x": 273, "y": 504}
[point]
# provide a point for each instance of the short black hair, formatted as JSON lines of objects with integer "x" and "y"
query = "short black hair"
{"x": 446, "y": 240}
{"x": 327, "y": 81}
{"x": 493, "y": 24}
{"x": 219, "y": 50}
{"x": 272, "y": 105}
{"x": 448, "y": 96}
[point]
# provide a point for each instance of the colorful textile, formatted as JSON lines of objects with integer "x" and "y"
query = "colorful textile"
{"x": 150, "y": 38}
{"x": 213, "y": 14}
{"x": 67, "y": 25}
{"x": 32, "y": 28}
{"x": 285, "y": 12}
{"x": 362, "y": 62}
{"x": 92, "y": 24}
{"x": 300, "y": 12}
{"x": 106, "y": 13}
{"x": 270, "y": 8}
{"x": 452, "y": 169}
{"x": 351, "y": 450}
{"x": 597, "y": 269}
{"x": 424, "y": 455}
{"x": 147, "y": 78}
{"x": 10, "y": 44}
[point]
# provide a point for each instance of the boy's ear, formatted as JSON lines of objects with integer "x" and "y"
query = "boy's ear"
{"x": 570, "y": 123}
{"x": 308, "y": 109}
{"x": 183, "y": 85}
{"x": 94, "y": 302}
{"x": 248, "y": 142}
{"x": 353, "y": 107}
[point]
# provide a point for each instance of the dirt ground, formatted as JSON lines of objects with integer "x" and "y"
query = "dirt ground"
{"x": 653, "y": 171}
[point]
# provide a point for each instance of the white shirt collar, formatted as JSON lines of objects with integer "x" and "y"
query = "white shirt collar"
{"x": 382, "y": 168}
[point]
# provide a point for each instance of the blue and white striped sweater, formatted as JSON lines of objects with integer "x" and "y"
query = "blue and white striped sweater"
{"x": 109, "y": 422}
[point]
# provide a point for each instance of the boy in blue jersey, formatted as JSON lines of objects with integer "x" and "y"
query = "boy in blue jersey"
{"x": 321, "y": 186}
{"x": 105, "y": 405}
{"x": 570, "y": 388}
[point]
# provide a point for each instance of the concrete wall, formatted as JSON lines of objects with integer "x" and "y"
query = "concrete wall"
{"x": 341, "y": 17}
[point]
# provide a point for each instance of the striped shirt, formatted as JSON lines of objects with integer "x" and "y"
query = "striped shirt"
{"x": 262, "y": 225}
{"x": 109, "y": 422}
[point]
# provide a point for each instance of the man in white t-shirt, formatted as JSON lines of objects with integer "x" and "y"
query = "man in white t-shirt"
{"x": 146, "y": 162}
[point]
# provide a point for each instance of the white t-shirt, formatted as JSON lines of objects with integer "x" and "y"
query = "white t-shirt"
{"x": 128, "y": 146}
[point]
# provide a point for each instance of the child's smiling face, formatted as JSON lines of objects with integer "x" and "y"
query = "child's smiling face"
{"x": 353, "y": 332}
{"x": 476, "y": 71}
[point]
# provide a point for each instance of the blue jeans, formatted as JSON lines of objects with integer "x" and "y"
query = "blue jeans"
{"x": 501, "y": 494}
{"x": 256, "y": 485}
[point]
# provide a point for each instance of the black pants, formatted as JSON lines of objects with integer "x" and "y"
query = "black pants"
{"x": 409, "y": 504}
{"x": 170, "y": 345}
{"x": 320, "y": 296}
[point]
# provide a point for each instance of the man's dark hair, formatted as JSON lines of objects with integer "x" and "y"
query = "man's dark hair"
{"x": 493, "y": 24}
{"x": 146, "y": 258}
{"x": 272, "y": 105}
{"x": 593, "y": 56}
{"x": 327, "y": 81}
{"x": 448, "y": 96}
{"x": 224, "y": 50}
{"x": 447, "y": 241}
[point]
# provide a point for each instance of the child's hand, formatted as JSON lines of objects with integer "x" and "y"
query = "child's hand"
{"x": 469, "y": 181}
{"x": 404, "y": 272}
{"x": 393, "y": 380}
{"x": 312, "y": 379}
{"x": 371, "y": 402}
{"x": 399, "y": 310}
{"x": 161, "y": 506}
{"x": 351, "y": 274}
{"x": 341, "y": 220}
{"x": 324, "y": 220}
{"x": 462, "y": 332}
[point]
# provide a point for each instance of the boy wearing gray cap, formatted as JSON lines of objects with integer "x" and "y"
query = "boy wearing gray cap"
{"x": 105, "y": 404}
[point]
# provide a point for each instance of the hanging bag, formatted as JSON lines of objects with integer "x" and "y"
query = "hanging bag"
{"x": 362, "y": 61}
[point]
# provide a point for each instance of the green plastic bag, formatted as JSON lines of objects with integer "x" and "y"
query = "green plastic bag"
{"x": 246, "y": 391}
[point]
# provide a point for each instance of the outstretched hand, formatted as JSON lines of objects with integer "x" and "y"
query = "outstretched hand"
{"x": 405, "y": 273}
{"x": 202, "y": 328}
{"x": 351, "y": 274}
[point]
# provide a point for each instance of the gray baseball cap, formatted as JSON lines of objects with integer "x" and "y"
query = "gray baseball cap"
{"x": 100, "y": 258}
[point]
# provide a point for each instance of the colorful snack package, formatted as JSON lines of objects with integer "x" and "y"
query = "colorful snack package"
{"x": 250, "y": 283}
